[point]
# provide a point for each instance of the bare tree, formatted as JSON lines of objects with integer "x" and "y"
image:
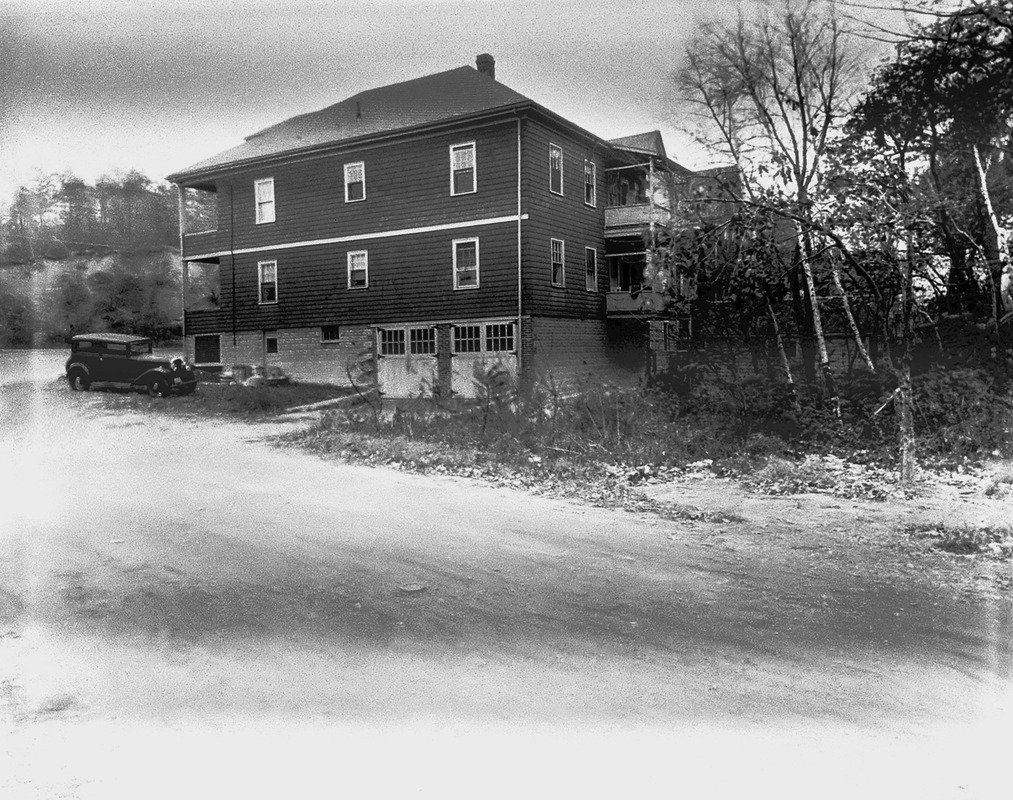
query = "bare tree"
{"x": 768, "y": 93}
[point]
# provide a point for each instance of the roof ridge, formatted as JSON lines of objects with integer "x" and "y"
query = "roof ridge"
{"x": 436, "y": 98}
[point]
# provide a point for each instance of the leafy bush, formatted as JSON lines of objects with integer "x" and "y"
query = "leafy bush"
{"x": 962, "y": 413}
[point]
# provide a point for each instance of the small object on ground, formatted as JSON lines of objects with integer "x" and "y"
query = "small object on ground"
{"x": 257, "y": 378}
{"x": 411, "y": 588}
{"x": 275, "y": 376}
{"x": 115, "y": 541}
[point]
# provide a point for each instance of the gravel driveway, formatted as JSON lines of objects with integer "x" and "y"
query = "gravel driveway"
{"x": 186, "y": 610}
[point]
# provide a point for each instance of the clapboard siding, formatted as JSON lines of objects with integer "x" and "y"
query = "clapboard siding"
{"x": 565, "y": 217}
{"x": 410, "y": 278}
{"x": 407, "y": 186}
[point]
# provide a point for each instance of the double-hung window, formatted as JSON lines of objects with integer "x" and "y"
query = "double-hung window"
{"x": 465, "y": 263}
{"x": 355, "y": 182}
{"x": 462, "y": 168}
{"x": 558, "y": 261}
{"x": 590, "y": 182}
{"x": 555, "y": 169}
{"x": 268, "y": 274}
{"x": 264, "y": 191}
{"x": 358, "y": 269}
{"x": 590, "y": 269}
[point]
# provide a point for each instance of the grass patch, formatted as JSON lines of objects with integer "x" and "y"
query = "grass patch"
{"x": 226, "y": 399}
{"x": 995, "y": 542}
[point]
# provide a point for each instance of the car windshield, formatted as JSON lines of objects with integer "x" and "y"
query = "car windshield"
{"x": 140, "y": 348}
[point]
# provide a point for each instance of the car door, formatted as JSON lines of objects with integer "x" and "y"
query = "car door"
{"x": 116, "y": 363}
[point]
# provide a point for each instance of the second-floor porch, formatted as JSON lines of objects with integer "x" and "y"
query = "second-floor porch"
{"x": 637, "y": 200}
{"x": 632, "y": 291}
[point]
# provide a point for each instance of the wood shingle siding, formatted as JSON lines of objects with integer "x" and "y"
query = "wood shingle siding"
{"x": 566, "y": 217}
{"x": 410, "y": 278}
{"x": 407, "y": 186}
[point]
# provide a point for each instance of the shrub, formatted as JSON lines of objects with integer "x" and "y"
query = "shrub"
{"x": 968, "y": 539}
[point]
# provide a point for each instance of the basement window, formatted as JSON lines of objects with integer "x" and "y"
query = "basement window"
{"x": 499, "y": 337}
{"x": 330, "y": 333}
{"x": 467, "y": 338}
{"x": 422, "y": 341}
{"x": 392, "y": 342}
{"x": 207, "y": 349}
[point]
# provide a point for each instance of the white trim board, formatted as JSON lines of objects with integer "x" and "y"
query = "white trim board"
{"x": 447, "y": 226}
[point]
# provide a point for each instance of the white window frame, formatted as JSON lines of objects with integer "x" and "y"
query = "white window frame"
{"x": 478, "y": 263}
{"x": 265, "y": 211}
{"x": 593, "y": 184}
{"x": 273, "y": 264}
{"x": 348, "y": 258}
{"x": 594, "y": 275}
{"x": 562, "y": 262}
{"x": 483, "y": 337}
{"x": 553, "y": 147}
{"x": 352, "y": 165}
{"x": 474, "y": 167}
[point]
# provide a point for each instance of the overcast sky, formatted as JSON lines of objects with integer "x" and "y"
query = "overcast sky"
{"x": 99, "y": 85}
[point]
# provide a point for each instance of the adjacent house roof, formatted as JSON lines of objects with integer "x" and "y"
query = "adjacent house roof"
{"x": 434, "y": 98}
{"x": 649, "y": 142}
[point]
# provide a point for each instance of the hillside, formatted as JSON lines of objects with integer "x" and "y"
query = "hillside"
{"x": 45, "y": 301}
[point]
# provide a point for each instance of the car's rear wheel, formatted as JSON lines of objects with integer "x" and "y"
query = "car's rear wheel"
{"x": 78, "y": 380}
{"x": 158, "y": 387}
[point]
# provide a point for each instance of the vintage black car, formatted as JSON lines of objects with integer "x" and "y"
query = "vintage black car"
{"x": 122, "y": 361}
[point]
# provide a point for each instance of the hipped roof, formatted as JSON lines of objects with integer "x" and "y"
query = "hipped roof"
{"x": 434, "y": 98}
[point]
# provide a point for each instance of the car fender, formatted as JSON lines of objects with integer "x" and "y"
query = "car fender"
{"x": 78, "y": 364}
{"x": 146, "y": 377}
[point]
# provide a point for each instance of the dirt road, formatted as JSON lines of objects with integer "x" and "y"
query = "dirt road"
{"x": 187, "y": 611}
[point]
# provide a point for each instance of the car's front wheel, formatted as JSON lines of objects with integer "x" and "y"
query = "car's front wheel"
{"x": 78, "y": 380}
{"x": 158, "y": 387}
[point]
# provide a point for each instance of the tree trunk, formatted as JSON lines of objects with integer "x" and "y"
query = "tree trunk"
{"x": 851, "y": 319}
{"x": 905, "y": 399}
{"x": 821, "y": 343}
{"x": 999, "y": 266}
{"x": 792, "y": 394}
{"x": 803, "y": 320}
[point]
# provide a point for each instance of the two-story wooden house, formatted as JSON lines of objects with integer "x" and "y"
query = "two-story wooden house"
{"x": 437, "y": 226}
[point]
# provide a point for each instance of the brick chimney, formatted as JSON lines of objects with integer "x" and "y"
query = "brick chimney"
{"x": 486, "y": 64}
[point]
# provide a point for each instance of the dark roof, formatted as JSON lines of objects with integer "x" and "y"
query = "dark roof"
{"x": 434, "y": 98}
{"x": 117, "y": 338}
{"x": 648, "y": 142}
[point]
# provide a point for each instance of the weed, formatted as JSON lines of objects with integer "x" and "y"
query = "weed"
{"x": 968, "y": 539}
{"x": 790, "y": 477}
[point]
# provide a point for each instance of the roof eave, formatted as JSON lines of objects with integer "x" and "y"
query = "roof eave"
{"x": 195, "y": 176}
